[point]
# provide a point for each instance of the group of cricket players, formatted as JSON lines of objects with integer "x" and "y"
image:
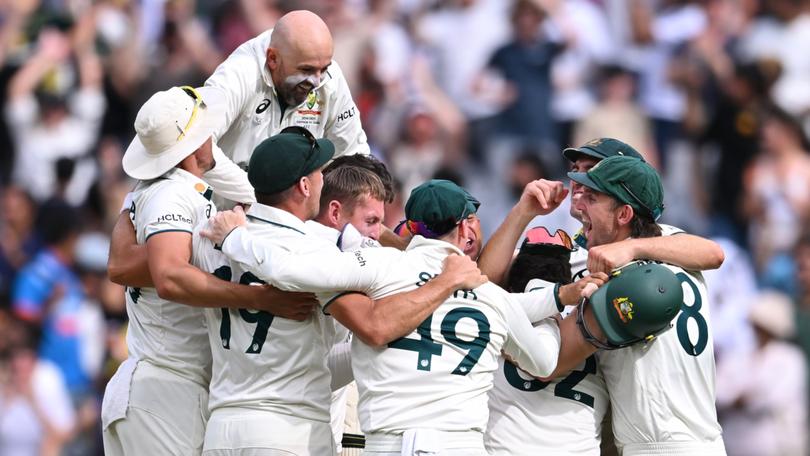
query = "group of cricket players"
{"x": 262, "y": 289}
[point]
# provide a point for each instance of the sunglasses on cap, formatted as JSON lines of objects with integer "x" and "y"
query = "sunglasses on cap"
{"x": 539, "y": 236}
{"x": 198, "y": 103}
{"x": 313, "y": 144}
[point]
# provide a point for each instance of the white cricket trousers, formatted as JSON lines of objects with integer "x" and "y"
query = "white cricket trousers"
{"x": 166, "y": 416}
{"x": 426, "y": 442}
{"x": 234, "y": 431}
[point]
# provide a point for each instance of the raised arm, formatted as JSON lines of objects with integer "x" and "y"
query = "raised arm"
{"x": 540, "y": 197}
{"x": 378, "y": 322}
{"x": 685, "y": 250}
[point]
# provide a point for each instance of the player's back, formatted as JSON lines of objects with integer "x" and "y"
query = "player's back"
{"x": 529, "y": 416}
{"x": 165, "y": 333}
{"x": 663, "y": 392}
{"x": 438, "y": 376}
{"x": 260, "y": 361}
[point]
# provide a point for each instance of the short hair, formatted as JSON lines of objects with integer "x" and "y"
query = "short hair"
{"x": 370, "y": 163}
{"x": 551, "y": 264}
{"x": 348, "y": 183}
{"x": 642, "y": 224}
{"x": 274, "y": 199}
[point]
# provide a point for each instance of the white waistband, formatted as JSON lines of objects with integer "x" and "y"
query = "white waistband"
{"x": 441, "y": 439}
{"x": 716, "y": 448}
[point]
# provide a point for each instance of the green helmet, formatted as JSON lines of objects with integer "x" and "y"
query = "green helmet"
{"x": 636, "y": 304}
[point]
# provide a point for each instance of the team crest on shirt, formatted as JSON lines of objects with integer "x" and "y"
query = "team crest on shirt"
{"x": 309, "y": 115}
{"x": 624, "y": 307}
{"x": 312, "y": 98}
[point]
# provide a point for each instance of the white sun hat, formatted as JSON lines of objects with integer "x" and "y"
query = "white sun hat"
{"x": 170, "y": 126}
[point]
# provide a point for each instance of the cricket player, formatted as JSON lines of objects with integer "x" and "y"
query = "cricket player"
{"x": 270, "y": 386}
{"x": 156, "y": 401}
{"x": 541, "y": 197}
{"x": 284, "y": 77}
{"x": 559, "y": 416}
{"x": 662, "y": 393}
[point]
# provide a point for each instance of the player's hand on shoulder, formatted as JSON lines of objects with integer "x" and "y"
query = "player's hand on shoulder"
{"x": 607, "y": 257}
{"x": 462, "y": 272}
{"x": 571, "y": 294}
{"x": 542, "y": 196}
{"x": 220, "y": 225}
{"x": 285, "y": 304}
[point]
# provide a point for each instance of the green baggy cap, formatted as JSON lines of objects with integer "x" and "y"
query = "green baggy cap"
{"x": 281, "y": 160}
{"x": 628, "y": 179}
{"x": 439, "y": 205}
{"x": 601, "y": 148}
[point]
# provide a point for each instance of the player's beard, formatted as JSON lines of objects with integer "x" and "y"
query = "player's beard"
{"x": 295, "y": 88}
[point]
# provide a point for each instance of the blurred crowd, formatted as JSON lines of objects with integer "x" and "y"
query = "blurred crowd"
{"x": 716, "y": 93}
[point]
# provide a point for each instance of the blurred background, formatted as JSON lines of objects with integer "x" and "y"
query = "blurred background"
{"x": 714, "y": 93}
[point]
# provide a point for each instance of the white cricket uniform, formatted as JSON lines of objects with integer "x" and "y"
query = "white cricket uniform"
{"x": 156, "y": 401}
{"x": 561, "y": 416}
{"x": 270, "y": 385}
{"x": 253, "y": 111}
{"x": 663, "y": 392}
{"x": 428, "y": 390}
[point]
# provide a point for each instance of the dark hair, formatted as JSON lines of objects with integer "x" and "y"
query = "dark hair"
{"x": 57, "y": 221}
{"x": 642, "y": 225}
{"x": 550, "y": 263}
{"x": 274, "y": 199}
{"x": 370, "y": 163}
{"x": 348, "y": 184}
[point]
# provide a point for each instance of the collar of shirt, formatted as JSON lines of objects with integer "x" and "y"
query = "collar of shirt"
{"x": 445, "y": 247}
{"x": 277, "y": 217}
{"x": 322, "y": 231}
{"x": 181, "y": 175}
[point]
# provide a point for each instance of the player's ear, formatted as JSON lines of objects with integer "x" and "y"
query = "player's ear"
{"x": 334, "y": 211}
{"x": 304, "y": 186}
{"x": 272, "y": 58}
{"x": 464, "y": 230}
{"x": 625, "y": 214}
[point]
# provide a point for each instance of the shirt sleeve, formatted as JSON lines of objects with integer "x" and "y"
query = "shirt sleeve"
{"x": 343, "y": 127}
{"x": 322, "y": 268}
{"x": 535, "y": 352}
{"x": 229, "y": 180}
{"x": 538, "y": 304}
{"x": 236, "y": 77}
{"x": 167, "y": 211}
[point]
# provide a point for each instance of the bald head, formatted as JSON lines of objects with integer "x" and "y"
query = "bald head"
{"x": 302, "y": 32}
{"x": 300, "y": 51}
